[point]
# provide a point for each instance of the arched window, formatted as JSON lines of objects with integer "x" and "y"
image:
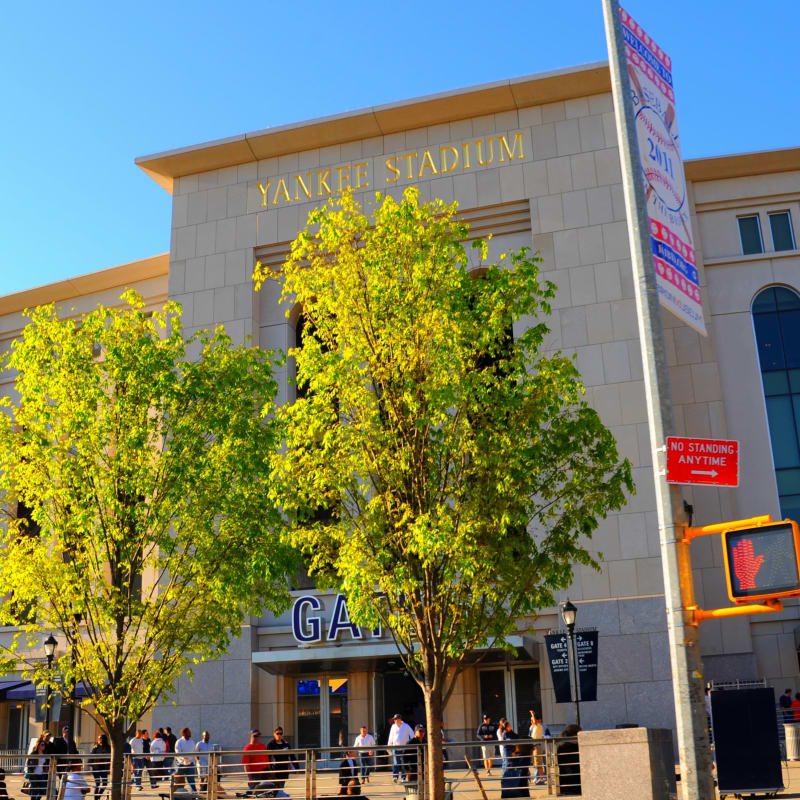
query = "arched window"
{"x": 776, "y": 317}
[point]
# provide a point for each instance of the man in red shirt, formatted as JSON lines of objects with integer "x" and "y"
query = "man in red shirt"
{"x": 255, "y": 759}
{"x": 796, "y": 707}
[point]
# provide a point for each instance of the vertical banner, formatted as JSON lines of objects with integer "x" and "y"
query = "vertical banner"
{"x": 586, "y": 647}
{"x": 557, "y": 645}
{"x": 653, "y": 102}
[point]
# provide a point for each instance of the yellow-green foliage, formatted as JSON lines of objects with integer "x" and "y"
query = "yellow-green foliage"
{"x": 141, "y": 465}
{"x": 463, "y": 469}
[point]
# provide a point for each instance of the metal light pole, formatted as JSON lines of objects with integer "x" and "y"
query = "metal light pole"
{"x": 684, "y": 646}
{"x": 49, "y": 650}
{"x": 569, "y": 613}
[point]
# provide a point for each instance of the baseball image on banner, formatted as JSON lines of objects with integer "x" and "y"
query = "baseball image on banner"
{"x": 653, "y": 99}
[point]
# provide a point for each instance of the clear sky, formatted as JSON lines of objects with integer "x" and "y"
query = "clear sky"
{"x": 88, "y": 86}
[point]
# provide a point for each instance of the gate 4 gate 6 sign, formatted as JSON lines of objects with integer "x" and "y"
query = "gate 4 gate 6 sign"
{"x": 705, "y": 462}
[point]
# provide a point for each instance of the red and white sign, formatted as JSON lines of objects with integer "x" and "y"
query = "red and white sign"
{"x": 705, "y": 462}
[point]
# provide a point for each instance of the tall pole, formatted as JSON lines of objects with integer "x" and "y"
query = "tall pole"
{"x": 573, "y": 657}
{"x": 684, "y": 648}
{"x": 47, "y": 702}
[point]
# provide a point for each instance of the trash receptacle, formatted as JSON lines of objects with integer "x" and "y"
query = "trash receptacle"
{"x": 791, "y": 732}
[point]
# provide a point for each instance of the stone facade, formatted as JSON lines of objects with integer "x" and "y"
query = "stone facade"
{"x": 552, "y": 182}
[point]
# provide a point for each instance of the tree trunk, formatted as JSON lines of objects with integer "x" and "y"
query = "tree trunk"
{"x": 433, "y": 714}
{"x": 116, "y": 734}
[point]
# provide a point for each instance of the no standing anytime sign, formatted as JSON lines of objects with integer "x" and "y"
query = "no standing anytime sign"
{"x": 705, "y": 462}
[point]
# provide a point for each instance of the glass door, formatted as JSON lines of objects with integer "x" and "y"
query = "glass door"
{"x": 511, "y": 693}
{"x": 322, "y": 712}
{"x": 309, "y": 713}
{"x": 494, "y": 693}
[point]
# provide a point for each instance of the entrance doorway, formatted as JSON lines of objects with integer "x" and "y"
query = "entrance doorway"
{"x": 511, "y": 693}
{"x": 402, "y": 695}
{"x": 322, "y": 711}
{"x": 17, "y": 727}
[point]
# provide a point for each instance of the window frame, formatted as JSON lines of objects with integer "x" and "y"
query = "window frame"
{"x": 757, "y": 218}
{"x": 788, "y": 214}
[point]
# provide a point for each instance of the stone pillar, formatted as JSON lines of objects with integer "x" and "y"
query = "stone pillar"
{"x": 629, "y": 762}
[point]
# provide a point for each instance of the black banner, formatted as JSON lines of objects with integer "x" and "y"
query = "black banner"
{"x": 558, "y": 655}
{"x": 586, "y": 647}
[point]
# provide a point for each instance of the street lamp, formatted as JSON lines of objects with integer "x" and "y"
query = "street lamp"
{"x": 569, "y": 614}
{"x": 49, "y": 650}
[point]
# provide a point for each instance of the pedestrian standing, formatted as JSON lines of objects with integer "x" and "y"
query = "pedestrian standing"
{"x": 785, "y": 702}
{"x": 204, "y": 747}
{"x": 366, "y": 758}
{"x": 170, "y": 739}
{"x": 255, "y": 759}
{"x": 399, "y": 734}
{"x": 184, "y": 756}
{"x": 36, "y": 768}
{"x": 502, "y": 735}
{"x": 137, "y": 752}
{"x": 487, "y": 732}
{"x": 100, "y": 765}
{"x": 75, "y": 784}
{"x": 157, "y": 749}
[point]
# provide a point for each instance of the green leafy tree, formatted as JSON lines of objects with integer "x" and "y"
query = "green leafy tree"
{"x": 464, "y": 468}
{"x": 150, "y": 533}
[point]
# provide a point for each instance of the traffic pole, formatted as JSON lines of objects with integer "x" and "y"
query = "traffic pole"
{"x": 697, "y": 782}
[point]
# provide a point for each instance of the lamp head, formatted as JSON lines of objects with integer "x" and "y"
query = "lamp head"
{"x": 569, "y": 612}
{"x": 50, "y": 645}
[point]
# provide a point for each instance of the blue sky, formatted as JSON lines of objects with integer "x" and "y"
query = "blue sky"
{"x": 90, "y": 86}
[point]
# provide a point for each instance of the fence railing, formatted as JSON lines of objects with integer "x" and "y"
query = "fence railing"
{"x": 478, "y": 769}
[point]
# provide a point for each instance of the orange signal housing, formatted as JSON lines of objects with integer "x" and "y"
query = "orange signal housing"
{"x": 758, "y": 530}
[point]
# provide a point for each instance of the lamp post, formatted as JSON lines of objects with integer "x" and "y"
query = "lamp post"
{"x": 569, "y": 613}
{"x": 49, "y": 650}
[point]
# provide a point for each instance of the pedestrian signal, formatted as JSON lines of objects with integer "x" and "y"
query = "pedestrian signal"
{"x": 763, "y": 562}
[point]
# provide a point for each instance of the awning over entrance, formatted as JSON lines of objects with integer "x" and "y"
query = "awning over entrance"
{"x": 25, "y": 690}
{"x": 337, "y": 656}
{"x": 6, "y": 686}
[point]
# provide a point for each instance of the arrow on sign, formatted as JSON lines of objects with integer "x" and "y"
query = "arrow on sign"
{"x": 712, "y": 472}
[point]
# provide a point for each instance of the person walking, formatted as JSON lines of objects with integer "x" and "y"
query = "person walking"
{"x": 204, "y": 747}
{"x": 152, "y": 772}
{"x": 184, "y": 756}
{"x": 63, "y": 746}
{"x": 100, "y": 765}
{"x": 255, "y": 760}
{"x": 487, "y": 733}
{"x": 36, "y": 768}
{"x": 399, "y": 734}
{"x": 366, "y": 758}
{"x": 281, "y": 763}
{"x": 137, "y": 752}
{"x": 416, "y": 754}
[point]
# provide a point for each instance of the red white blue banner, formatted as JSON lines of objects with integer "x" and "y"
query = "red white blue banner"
{"x": 653, "y": 101}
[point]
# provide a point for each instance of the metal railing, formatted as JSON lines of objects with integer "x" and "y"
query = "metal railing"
{"x": 545, "y": 767}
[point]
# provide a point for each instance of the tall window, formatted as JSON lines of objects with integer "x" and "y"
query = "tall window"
{"x": 780, "y": 224}
{"x": 776, "y": 316}
{"x": 750, "y": 234}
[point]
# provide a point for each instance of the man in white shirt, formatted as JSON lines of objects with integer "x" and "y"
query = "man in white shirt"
{"x": 203, "y": 746}
{"x": 183, "y": 746}
{"x": 365, "y": 757}
{"x": 399, "y": 734}
{"x": 157, "y": 749}
{"x": 137, "y": 751}
{"x": 76, "y": 786}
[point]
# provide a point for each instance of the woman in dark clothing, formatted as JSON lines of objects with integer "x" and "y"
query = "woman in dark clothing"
{"x": 280, "y": 764}
{"x": 569, "y": 765}
{"x": 36, "y": 769}
{"x": 516, "y": 776}
{"x": 100, "y": 766}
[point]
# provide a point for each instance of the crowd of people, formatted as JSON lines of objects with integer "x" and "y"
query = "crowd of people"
{"x": 267, "y": 766}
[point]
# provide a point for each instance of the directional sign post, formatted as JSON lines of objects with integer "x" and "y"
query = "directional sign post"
{"x": 703, "y": 462}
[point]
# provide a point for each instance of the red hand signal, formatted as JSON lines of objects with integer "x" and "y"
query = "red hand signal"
{"x": 745, "y": 565}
